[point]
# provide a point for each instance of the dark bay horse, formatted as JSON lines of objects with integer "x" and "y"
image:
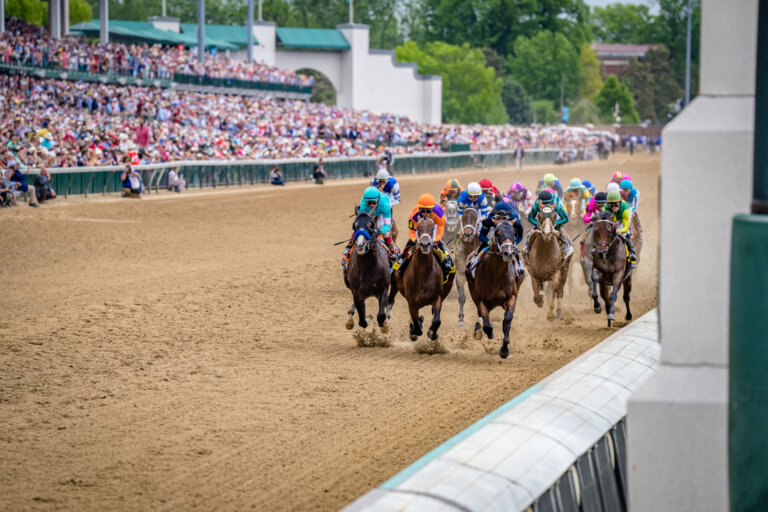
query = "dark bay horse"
{"x": 609, "y": 267}
{"x": 544, "y": 262}
{"x": 422, "y": 282}
{"x": 496, "y": 284}
{"x": 367, "y": 273}
{"x": 466, "y": 242}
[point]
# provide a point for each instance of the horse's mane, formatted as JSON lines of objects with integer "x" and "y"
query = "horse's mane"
{"x": 605, "y": 215}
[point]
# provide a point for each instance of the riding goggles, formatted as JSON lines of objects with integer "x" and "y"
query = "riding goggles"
{"x": 504, "y": 216}
{"x": 611, "y": 205}
{"x": 372, "y": 203}
{"x": 425, "y": 211}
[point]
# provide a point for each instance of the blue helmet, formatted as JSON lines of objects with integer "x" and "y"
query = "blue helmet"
{"x": 587, "y": 184}
{"x": 502, "y": 207}
{"x": 371, "y": 194}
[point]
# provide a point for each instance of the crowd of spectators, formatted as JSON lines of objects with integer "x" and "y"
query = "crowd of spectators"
{"x": 60, "y": 123}
{"x": 28, "y": 45}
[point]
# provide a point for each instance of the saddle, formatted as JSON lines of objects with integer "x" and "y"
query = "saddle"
{"x": 439, "y": 255}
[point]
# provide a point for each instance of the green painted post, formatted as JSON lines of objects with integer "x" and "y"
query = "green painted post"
{"x": 748, "y": 337}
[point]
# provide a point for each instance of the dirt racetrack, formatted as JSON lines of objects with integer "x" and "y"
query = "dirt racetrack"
{"x": 183, "y": 352}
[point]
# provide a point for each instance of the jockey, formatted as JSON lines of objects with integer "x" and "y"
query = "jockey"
{"x": 612, "y": 187}
{"x": 490, "y": 191}
{"x": 426, "y": 208}
{"x": 520, "y": 198}
{"x": 473, "y": 198}
{"x": 596, "y": 204}
{"x": 590, "y": 188}
{"x": 550, "y": 181}
{"x": 630, "y": 194}
{"x": 547, "y": 198}
{"x": 387, "y": 185}
{"x": 582, "y": 193}
{"x": 451, "y": 192}
{"x": 502, "y": 211}
{"x": 617, "y": 177}
{"x": 377, "y": 205}
{"x": 621, "y": 213}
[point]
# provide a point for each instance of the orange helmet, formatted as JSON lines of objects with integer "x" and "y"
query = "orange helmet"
{"x": 426, "y": 201}
{"x": 452, "y": 184}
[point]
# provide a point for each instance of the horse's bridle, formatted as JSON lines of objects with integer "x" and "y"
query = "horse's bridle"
{"x": 462, "y": 227}
{"x": 507, "y": 243}
{"x": 427, "y": 240}
{"x": 613, "y": 230}
{"x": 370, "y": 236}
{"x": 536, "y": 229}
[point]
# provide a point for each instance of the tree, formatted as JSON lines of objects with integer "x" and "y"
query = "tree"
{"x": 516, "y": 101}
{"x": 653, "y": 83}
{"x": 615, "y": 93}
{"x": 624, "y": 24}
{"x": 589, "y": 68}
{"x": 471, "y": 91}
{"x": 585, "y": 111}
{"x": 494, "y": 60}
{"x": 544, "y": 64}
{"x": 322, "y": 90}
{"x": 671, "y": 22}
{"x": 31, "y": 11}
{"x": 544, "y": 112}
{"x": 79, "y": 11}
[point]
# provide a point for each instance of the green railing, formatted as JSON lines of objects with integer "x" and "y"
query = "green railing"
{"x": 115, "y": 78}
{"x": 202, "y": 174}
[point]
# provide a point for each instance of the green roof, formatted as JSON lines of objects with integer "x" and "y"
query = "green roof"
{"x": 232, "y": 34}
{"x": 312, "y": 38}
{"x": 144, "y": 31}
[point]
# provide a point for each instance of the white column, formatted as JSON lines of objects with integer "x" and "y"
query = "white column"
{"x": 201, "y": 31}
{"x": 64, "y": 10}
{"x": 2, "y": 16}
{"x": 352, "y": 91}
{"x": 678, "y": 421}
{"x": 103, "y": 21}
{"x": 54, "y": 8}
{"x": 264, "y": 50}
{"x": 249, "y": 25}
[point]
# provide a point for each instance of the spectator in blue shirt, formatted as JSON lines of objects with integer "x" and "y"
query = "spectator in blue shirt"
{"x": 19, "y": 181}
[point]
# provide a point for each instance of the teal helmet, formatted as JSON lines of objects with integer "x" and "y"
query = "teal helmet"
{"x": 575, "y": 183}
{"x": 626, "y": 184}
{"x": 371, "y": 194}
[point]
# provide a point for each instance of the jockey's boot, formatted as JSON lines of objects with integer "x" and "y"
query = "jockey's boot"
{"x": 566, "y": 244}
{"x": 394, "y": 253}
{"x": 519, "y": 267}
{"x": 632, "y": 258}
{"x": 402, "y": 262}
{"x": 446, "y": 263}
{"x": 345, "y": 255}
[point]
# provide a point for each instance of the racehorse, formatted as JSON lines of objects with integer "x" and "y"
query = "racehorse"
{"x": 575, "y": 202}
{"x": 545, "y": 263}
{"x": 367, "y": 273}
{"x": 587, "y": 244}
{"x": 610, "y": 267}
{"x": 451, "y": 223}
{"x": 496, "y": 284}
{"x": 422, "y": 282}
{"x": 466, "y": 242}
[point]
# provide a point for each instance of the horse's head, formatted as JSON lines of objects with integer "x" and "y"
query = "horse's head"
{"x": 604, "y": 234}
{"x": 468, "y": 224}
{"x": 546, "y": 220}
{"x": 504, "y": 236}
{"x": 425, "y": 234}
{"x": 451, "y": 214}
{"x": 365, "y": 231}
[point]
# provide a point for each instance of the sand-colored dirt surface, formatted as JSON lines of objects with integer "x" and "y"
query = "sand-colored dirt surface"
{"x": 183, "y": 352}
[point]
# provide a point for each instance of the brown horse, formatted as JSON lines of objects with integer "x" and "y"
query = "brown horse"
{"x": 496, "y": 284}
{"x": 544, "y": 261}
{"x": 467, "y": 241}
{"x": 422, "y": 282}
{"x": 609, "y": 267}
{"x": 367, "y": 273}
{"x": 575, "y": 202}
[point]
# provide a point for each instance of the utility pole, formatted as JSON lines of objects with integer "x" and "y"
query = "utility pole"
{"x": 260, "y": 18}
{"x": 201, "y": 31}
{"x": 163, "y": 9}
{"x": 688, "y": 56}
{"x": 250, "y": 28}
{"x": 351, "y": 12}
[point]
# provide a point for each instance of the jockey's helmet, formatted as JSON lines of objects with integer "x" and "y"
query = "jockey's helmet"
{"x": 382, "y": 175}
{"x": 587, "y": 184}
{"x": 502, "y": 210}
{"x": 617, "y": 177}
{"x": 626, "y": 184}
{"x": 600, "y": 198}
{"x": 613, "y": 197}
{"x": 426, "y": 201}
{"x": 486, "y": 184}
{"x": 516, "y": 187}
{"x": 452, "y": 184}
{"x": 474, "y": 190}
{"x": 546, "y": 197}
{"x": 549, "y": 178}
{"x": 575, "y": 183}
{"x": 612, "y": 187}
{"x": 371, "y": 195}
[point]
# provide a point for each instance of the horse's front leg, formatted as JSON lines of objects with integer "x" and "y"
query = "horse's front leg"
{"x": 613, "y": 296}
{"x": 627, "y": 289}
{"x": 436, "y": 307}
{"x": 415, "y": 327}
{"x": 360, "y": 306}
{"x": 350, "y": 317}
{"x": 381, "y": 317}
{"x": 509, "y": 313}
{"x": 462, "y": 297}
{"x": 537, "y": 298}
{"x": 559, "y": 292}
{"x": 484, "y": 312}
{"x": 595, "y": 279}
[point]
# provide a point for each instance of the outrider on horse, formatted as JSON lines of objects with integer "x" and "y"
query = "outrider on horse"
{"x": 496, "y": 281}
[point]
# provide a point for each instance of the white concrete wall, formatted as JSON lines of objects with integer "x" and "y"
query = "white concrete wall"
{"x": 264, "y": 51}
{"x": 165, "y": 23}
{"x": 328, "y": 63}
{"x": 678, "y": 421}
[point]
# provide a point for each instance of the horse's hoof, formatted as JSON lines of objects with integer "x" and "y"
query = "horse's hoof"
{"x": 598, "y": 309}
{"x": 504, "y": 352}
{"x": 488, "y": 332}
{"x": 432, "y": 335}
{"x": 350, "y": 323}
{"x": 611, "y": 316}
{"x": 628, "y": 317}
{"x": 539, "y": 302}
{"x": 384, "y": 328}
{"x": 461, "y": 323}
{"x": 609, "y": 322}
{"x": 421, "y": 321}
{"x": 550, "y": 316}
{"x": 413, "y": 337}
{"x": 478, "y": 335}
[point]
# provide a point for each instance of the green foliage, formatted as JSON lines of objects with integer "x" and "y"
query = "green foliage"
{"x": 79, "y": 11}
{"x": 672, "y": 28}
{"x": 544, "y": 64}
{"x": 31, "y": 11}
{"x": 615, "y": 93}
{"x": 471, "y": 91}
{"x": 494, "y": 60}
{"x": 624, "y": 23}
{"x": 585, "y": 111}
{"x": 589, "y": 67}
{"x": 653, "y": 82}
{"x": 543, "y": 112}
{"x": 516, "y": 101}
{"x": 322, "y": 90}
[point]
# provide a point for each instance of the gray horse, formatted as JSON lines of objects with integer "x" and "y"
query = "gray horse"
{"x": 451, "y": 223}
{"x": 467, "y": 241}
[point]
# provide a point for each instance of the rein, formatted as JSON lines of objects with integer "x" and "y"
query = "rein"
{"x": 615, "y": 237}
